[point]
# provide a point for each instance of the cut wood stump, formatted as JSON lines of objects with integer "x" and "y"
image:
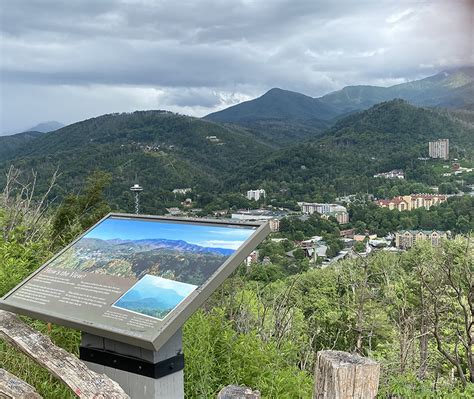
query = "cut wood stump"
{"x": 84, "y": 382}
{"x": 340, "y": 375}
{"x": 12, "y": 387}
{"x": 238, "y": 392}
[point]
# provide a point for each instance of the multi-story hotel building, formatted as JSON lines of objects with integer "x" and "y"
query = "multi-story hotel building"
{"x": 255, "y": 194}
{"x": 326, "y": 210}
{"x": 413, "y": 201}
{"x": 439, "y": 149}
{"x": 261, "y": 215}
{"x": 407, "y": 238}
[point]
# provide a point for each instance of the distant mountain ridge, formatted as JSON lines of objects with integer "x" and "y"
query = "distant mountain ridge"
{"x": 156, "y": 243}
{"x": 450, "y": 89}
{"x": 46, "y": 127}
{"x": 276, "y": 104}
{"x": 279, "y": 116}
{"x": 297, "y": 116}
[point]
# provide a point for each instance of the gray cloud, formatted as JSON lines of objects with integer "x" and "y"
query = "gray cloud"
{"x": 72, "y": 60}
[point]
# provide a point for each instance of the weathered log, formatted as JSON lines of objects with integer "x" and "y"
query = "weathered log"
{"x": 12, "y": 387}
{"x": 68, "y": 368}
{"x": 340, "y": 375}
{"x": 238, "y": 392}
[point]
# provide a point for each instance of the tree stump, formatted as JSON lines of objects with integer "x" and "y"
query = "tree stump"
{"x": 340, "y": 375}
{"x": 238, "y": 392}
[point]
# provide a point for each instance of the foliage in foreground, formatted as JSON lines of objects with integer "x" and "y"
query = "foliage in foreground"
{"x": 411, "y": 312}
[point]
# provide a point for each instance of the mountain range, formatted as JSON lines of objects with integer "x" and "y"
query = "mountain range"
{"x": 152, "y": 244}
{"x": 283, "y": 139}
{"x": 389, "y": 135}
{"x": 285, "y": 115}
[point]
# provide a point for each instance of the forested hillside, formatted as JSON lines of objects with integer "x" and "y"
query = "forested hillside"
{"x": 279, "y": 116}
{"x": 10, "y": 144}
{"x": 387, "y": 136}
{"x": 163, "y": 150}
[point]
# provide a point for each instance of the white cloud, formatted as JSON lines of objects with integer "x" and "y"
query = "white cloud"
{"x": 220, "y": 244}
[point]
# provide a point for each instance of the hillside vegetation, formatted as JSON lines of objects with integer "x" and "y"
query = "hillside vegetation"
{"x": 263, "y": 327}
{"x": 343, "y": 160}
{"x": 164, "y": 150}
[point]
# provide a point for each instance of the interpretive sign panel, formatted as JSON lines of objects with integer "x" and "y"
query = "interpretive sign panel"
{"x": 135, "y": 279}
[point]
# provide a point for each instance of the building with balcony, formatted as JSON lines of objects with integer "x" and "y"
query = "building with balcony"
{"x": 256, "y": 194}
{"x": 326, "y": 210}
{"x": 412, "y": 201}
{"x": 407, "y": 238}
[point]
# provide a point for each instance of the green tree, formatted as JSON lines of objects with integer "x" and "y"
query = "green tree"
{"x": 80, "y": 211}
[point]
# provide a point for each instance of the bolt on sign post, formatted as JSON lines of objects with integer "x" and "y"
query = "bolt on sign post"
{"x": 128, "y": 284}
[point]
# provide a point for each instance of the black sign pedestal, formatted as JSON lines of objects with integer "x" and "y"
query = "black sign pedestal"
{"x": 142, "y": 373}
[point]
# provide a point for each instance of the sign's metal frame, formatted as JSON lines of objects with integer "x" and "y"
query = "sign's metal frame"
{"x": 177, "y": 316}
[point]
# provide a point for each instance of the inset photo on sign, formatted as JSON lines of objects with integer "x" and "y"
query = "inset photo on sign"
{"x": 154, "y": 296}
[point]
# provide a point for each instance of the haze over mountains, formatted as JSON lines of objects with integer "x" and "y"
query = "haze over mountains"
{"x": 45, "y": 127}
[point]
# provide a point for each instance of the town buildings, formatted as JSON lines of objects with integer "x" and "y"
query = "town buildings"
{"x": 256, "y": 194}
{"x": 393, "y": 174}
{"x": 252, "y": 258}
{"x": 413, "y": 201}
{"x": 326, "y": 210}
{"x": 439, "y": 149}
{"x": 407, "y": 238}
{"x": 181, "y": 191}
{"x": 261, "y": 215}
{"x": 342, "y": 217}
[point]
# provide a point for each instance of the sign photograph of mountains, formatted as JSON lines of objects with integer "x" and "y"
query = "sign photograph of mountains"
{"x": 328, "y": 145}
{"x": 136, "y": 248}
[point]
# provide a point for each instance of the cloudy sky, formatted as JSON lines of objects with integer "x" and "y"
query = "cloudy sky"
{"x": 71, "y": 60}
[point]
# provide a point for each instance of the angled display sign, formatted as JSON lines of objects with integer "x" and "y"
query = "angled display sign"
{"x": 135, "y": 279}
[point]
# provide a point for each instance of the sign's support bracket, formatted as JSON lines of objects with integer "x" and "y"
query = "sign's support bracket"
{"x": 132, "y": 364}
{"x": 142, "y": 373}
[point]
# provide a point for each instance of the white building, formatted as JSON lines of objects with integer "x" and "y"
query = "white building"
{"x": 393, "y": 174}
{"x": 181, "y": 191}
{"x": 327, "y": 210}
{"x": 260, "y": 215}
{"x": 256, "y": 194}
{"x": 310, "y": 207}
{"x": 439, "y": 149}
